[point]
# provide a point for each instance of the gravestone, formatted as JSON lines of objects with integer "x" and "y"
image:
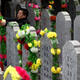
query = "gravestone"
{"x": 31, "y": 14}
{"x": 63, "y": 27}
{"x": 77, "y": 28}
{"x": 46, "y": 58}
{"x": 45, "y": 19}
{"x": 12, "y": 54}
{"x": 70, "y": 61}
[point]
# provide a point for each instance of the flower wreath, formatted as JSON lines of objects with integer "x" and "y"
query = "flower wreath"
{"x": 2, "y": 42}
{"x": 17, "y": 73}
{"x": 26, "y": 36}
{"x": 54, "y": 51}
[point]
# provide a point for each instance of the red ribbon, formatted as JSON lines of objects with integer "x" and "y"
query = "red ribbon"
{"x": 3, "y": 56}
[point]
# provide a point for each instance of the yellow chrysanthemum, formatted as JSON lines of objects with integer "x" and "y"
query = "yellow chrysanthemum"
{"x": 53, "y": 51}
{"x": 51, "y": 2}
{"x": 53, "y": 70}
{"x": 50, "y": 6}
{"x": 14, "y": 75}
{"x": 30, "y": 44}
{"x": 58, "y": 70}
{"x": 52, "y": 35}
{"x": 58, "y": 51}
{"x": 35, "y": 43}
{"x": 42, "y": 33}
{"x": 38, "y": 61}
{"x": 18, "y": 46}
{"x": 27, "y": 27}
{"x": 46, "y": 30}
{"x": 39, "y": 43}
{"x": 17, "y": 36}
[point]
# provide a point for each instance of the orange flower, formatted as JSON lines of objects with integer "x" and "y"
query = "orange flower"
{"x": 53, "y": 18}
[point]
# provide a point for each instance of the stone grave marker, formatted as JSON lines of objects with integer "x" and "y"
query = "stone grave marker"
{"x": 63, "y": 27}
{"x": 45, "y": 19}
{"x": 12, "y": 54}
{"x": 77, "y": 28}
{"x": 46, "y": 57}
{"x": 71, "y": 61}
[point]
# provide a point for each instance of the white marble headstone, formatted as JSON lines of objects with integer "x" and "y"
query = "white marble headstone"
{"x": 12, "y": 53}
{"x": 71, "y": 61}
{"x": 63, "y": 27}
{"x": 77, "y": 28}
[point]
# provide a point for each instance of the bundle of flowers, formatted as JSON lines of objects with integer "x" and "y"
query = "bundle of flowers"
{"x": 26, "y": 37}
{"x": 17, "y": 73}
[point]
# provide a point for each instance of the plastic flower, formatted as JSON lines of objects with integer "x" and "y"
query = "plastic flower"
{"x": 19, "y": 46}
{"x": 17, "y": 36}
{"x": 14, "y": 75}
{"x": 53, "y": 70}
{"x": 37, "y": 18}
{"x": 39, "y": 43}
{"x": 34, "y": 50}
{"x": 58, "y": 51}
{"x": 42, "y": 33}
{"x": 26, "y": 46}
{"x": 46, "y": 30}
{"x": 38, "y": 61}
{"x": 53, "y": 51}
{"x": 21, "y": 33}
{"x": 50, "y": 6}
{"x": 35, "y": 43}
{"x": 58, "y": 69}
{"x": 30, "y": 44}
{"x": 52, "y": 35}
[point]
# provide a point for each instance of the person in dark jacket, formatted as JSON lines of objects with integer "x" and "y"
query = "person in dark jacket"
{"x": 21, "y": 17}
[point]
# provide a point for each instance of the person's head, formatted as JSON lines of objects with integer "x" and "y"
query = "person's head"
{"x": 22, "y": 13}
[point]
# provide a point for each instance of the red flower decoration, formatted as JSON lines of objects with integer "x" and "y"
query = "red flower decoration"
{"x": 22, "y": 73}
{"x": 1, "y": 65}
{"x": 21, "y": 41}
{"x": 29, "y": 64}
{"x": 53, "y": 18}
{"x": 38, "y": 31}
{"x": 26, "y": 46}
{"x": 4, "y": 37}
{"x": 64, "y": 6}
{"x": 20, "y": 52}
{"x": 0, "y": 38}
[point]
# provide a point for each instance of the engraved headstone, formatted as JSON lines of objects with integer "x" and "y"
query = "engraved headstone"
{"x": 70, "y": 61}
{"x": 63, "y": 28}
{"x": 46, "y": 57}
{"x": 12, "y": 54}
{"x": 77, "y": 28}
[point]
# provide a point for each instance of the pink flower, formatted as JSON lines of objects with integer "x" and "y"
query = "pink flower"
{"x": 37, "y": 18}
{"x": 35, "y": 6}
{"x": 29, "y": 4}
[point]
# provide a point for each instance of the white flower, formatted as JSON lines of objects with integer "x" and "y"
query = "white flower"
{"x": 21, "y": 34}
{"x": 34, "y": 71}
{"x": 34, "y": 50}
{"x": 33, "y": 31}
